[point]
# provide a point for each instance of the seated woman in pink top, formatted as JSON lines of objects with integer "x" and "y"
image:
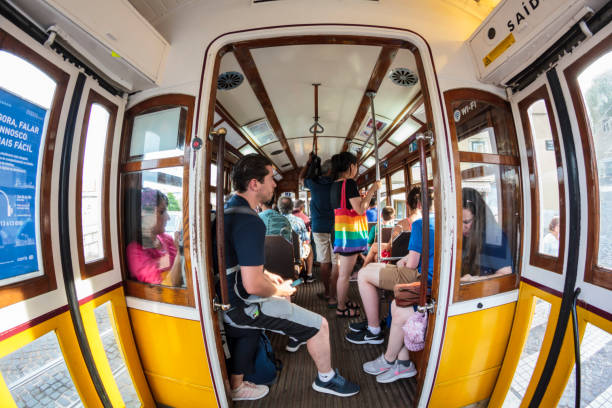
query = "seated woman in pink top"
{"x": 151, "y": 253}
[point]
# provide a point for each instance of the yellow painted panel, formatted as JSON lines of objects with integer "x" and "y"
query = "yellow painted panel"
{"x": 62, "y": 324}
{"x": 464, "y": 391}
{"x": 121, "y": 326}
{"x": 475, "y": 342}
{"x": 520, "y": 331}
{"x": 173, "y": 349}
{"x": 181, "y": 395}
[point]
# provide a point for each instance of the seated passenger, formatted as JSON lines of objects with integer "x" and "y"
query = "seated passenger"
{"x": 414, "y": 212}
{"x": 285, "y": 206}
{"x": 298, "y": 211}
{"x": 387, "y": 215}
{"x": 486, "y": 252}
{"x": 379, "y": 275}
{"x": 550, "y": 243}
{"x": 275, "y": 223}
{"x": 394, "y": 363}
{"x": 372, "y": 211}
{"x": 152, "y": 255}
{"x": 258, "y": 298}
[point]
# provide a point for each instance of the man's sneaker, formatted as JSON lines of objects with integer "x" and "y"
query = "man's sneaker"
{"x": 396, "y": 372}
{"x": 294, "y": 345}
{"x": 309, "y": 279}
{"x": 249, "y": 391}
{"x": 338, "y": 386}
{"x": 362, "y": 325}
{"x": 378, "y": 366}
{"x": 365, "y": 337}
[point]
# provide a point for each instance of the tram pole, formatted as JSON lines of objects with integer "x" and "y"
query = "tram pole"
{"x": 371, "y": 95}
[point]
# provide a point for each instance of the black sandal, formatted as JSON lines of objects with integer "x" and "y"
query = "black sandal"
{"x": 348, "y": 312}
{"x": 352, "y": 305}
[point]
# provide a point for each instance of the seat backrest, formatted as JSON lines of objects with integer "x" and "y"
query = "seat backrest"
{"x": 399, "y": 247}
{"x": 278, "y": 254}
{"x": 370, "y": 225}
{"x": 296, "y": 246}
{"x": 386, "y": 234}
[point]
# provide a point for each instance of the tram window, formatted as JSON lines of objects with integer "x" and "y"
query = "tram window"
{"x": 483, "y": 126}
{"x": 398, "y": 194}
{"x": 489, "y": 199}
{"x": 415, "y": 172}
{"x": 490, "y": 209}
{"x": 213, "y": 175}
{"x": 154, "y": 226}
{"x": 589, "y": 80}
{"x": 153, "y": 185}
{"x": 93, "y": 191}
{"x": 37, "y": 375}
{"x": 158, "y": 134}
{"x": 544, "y": 155}
{"x": 37, "y": 89}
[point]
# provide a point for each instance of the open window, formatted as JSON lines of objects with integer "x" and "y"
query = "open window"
{"x": 489, "y": 193}
{"x": 589, "y": 80}
{"x": 153, "y": 183}
{"x": 32, "y": 92}
{"x": 545, "y": 175}
{"x": 93, "y": 184}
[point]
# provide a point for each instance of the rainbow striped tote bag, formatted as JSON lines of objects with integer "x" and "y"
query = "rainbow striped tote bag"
{"x": 351, "y": 229}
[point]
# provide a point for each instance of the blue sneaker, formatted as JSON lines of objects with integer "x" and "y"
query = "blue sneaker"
{"x": 338, "y": 386}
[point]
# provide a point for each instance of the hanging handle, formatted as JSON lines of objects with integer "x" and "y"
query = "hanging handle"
{"x": 220, "y": 230}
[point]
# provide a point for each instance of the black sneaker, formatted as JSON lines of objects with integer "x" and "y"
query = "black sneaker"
{"x": 358, "y": 326}
{"x": 309, "y": 279}
{"x": 365, "y": 337}
{"x": 294, "y": 345}
{"x": 338, "y": 386}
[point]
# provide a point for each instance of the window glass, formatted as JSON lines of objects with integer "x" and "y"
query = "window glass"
{"x": 547, "y": 180}
{"x": 91, "y": 194}
{"x": 114, "y": 354}
{"x": 37, "y": 376}
{"x": 529, "y": 355}
{"x": 594, "y": 84}
{"x": 596, "y": 370}
{"x": 158, "y": 134}
{"x": 415, "y": 171}
{"x": 397, "y": 180}
{"x": 213, "y": 174}
{"x": 153, "y": 225}
{"x": 490, "y": 201}
{"x": 383, "y": 186}
{"x": 398, "y": 201}
{"x": 481, "y": 125}
{"x": 247, "y": 149}
{"x": 26, "y": 95}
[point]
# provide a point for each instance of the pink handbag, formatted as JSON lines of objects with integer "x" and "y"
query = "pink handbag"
{"x": 414, "y": 331}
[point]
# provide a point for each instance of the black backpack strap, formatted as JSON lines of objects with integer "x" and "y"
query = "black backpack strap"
{"x": 240, "y": 210}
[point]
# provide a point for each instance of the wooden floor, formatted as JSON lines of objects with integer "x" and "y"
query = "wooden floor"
{"x": 294, "y": 385}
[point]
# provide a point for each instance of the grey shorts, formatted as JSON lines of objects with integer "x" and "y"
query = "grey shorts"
{"x": 277, "y": 315}
{"x": 324, "y": 247}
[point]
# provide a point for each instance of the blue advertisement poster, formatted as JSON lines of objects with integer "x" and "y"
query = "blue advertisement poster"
{"x": 21, "y": 128}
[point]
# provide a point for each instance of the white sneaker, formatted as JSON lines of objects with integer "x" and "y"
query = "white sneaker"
{"x": 378, "y": 366}
{"x": 396, "y": 372}
{"x": 249, "y": 391}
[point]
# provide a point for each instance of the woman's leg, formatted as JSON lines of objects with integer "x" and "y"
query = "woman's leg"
{"x": 396, "y": 335}
{"x": 344, "y": 274}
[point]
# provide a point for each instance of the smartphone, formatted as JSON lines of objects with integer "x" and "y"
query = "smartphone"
{"x": 297, "y": 282}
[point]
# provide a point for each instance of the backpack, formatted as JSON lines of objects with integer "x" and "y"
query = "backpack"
{"x": 267, "y": 366}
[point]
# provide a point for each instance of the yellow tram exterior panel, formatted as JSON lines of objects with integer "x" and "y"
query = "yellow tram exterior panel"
{"x": 62, "y": 325}
{"x": 173, "y": 356}
{"x": 474, "y": 348}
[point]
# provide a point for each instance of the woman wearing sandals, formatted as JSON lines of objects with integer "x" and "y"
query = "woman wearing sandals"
{"x": 350, "y": 238}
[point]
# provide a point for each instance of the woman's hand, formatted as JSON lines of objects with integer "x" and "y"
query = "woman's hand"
{"x": 375, "y": 186}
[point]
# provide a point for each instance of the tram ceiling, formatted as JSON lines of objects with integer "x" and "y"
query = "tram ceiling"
{"x": 272, "y": 108}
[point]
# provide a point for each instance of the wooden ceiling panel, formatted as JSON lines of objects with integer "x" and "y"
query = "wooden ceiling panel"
{"x": 342, "y": 70}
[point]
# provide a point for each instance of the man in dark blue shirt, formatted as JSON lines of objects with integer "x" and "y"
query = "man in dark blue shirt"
{"x": 322, "y": 218}
{"x": 259, "y": 299}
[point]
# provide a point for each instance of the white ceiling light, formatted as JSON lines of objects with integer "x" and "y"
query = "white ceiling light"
{"x": 369, "y": 162}
{"x": 247, "y": 149}
{"x": 404, "y": 132}
{"x": 260, "y": 131}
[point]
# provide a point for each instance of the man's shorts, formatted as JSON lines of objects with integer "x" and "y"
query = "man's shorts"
{"x": 278, "y": 315}
{"x": 391, "y": 275}
{"x": 324, "y": 247}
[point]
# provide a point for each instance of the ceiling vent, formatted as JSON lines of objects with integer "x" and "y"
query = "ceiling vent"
{"x": 229, "y": 80}
{"x": 276, "y": 152}
{"x": 403, "y": 77}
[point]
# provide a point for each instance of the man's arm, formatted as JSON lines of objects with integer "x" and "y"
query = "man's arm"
{"x": 305, "y": 169}
{"x": 411, "y": 260}
{"x": 256, "y": 282}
